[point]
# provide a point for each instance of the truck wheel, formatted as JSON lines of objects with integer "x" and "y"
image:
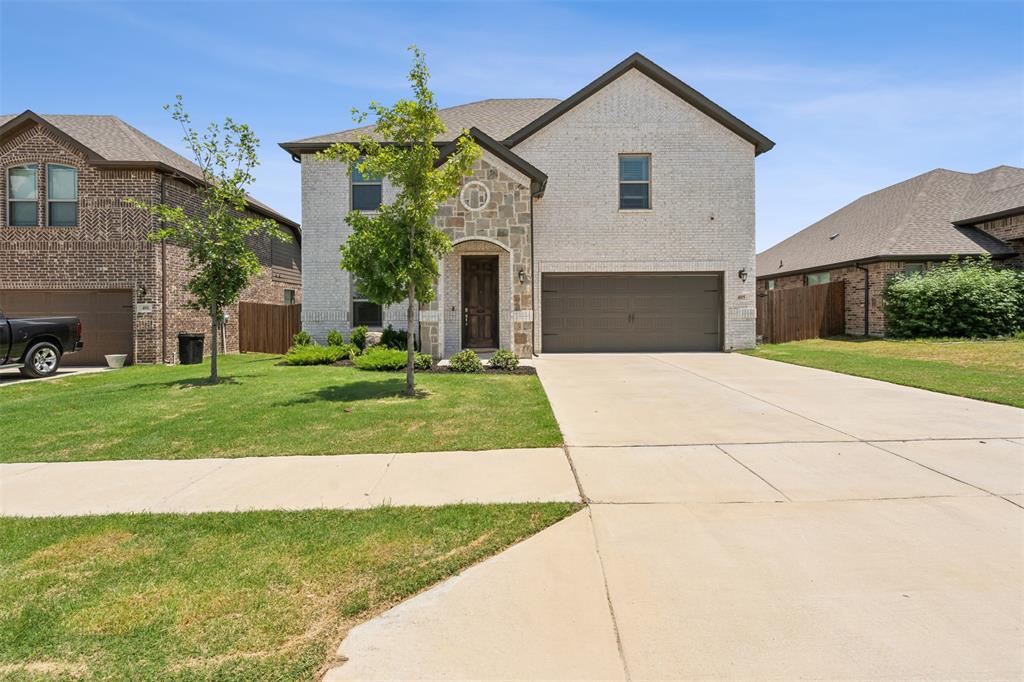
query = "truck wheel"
{"x": 41, "y": 360}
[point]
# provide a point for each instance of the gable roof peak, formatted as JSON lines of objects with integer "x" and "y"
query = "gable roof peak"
{"x": 663, "y": 78}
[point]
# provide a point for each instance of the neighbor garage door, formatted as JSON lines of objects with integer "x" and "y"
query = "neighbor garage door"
{"x": 106, "y": 317}
{"x": 631, "y": 312}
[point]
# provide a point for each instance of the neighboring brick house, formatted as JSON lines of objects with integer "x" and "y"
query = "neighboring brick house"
{"x": 71, "y": 245}
{"x": 908, "y": 227}
{"x": 621, "y": 218}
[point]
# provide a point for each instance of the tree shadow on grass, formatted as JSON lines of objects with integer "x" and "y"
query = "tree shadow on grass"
{"x": 355, "y": 391}
{"x": 204, "y": 382}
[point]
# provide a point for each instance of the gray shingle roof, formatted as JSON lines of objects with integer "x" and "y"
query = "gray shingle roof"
{"x": 995, "y": 191}
{"x": 911, "y": 218}
{"x": 116, "y": 141}
{"x": 498, "y": 118}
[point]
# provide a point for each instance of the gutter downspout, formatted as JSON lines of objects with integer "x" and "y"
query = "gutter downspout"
{"x": 163, "y": 280}
{"x": 867, "y": 295}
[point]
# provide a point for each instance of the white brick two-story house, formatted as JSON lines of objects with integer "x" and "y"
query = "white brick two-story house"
{"x": 619, "y": 219}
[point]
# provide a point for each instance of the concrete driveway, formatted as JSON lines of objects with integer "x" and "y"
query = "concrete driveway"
{"x": 746, "y": 520}
{"x": 693, "y": 398}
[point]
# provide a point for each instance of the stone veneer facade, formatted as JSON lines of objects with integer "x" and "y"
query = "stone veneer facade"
{"x": 701, "y": 219}
{"x": 501, "y": 227}
{"x": 109, "y": 248}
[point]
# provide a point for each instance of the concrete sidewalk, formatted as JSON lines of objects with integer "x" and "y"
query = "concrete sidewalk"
{"x": 333, "y": 482}
{"x": 838, "y": 561}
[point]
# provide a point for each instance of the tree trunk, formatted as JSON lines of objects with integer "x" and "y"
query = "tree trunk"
{"x": 213, "y": 342}
{"x": 410, "y": 357}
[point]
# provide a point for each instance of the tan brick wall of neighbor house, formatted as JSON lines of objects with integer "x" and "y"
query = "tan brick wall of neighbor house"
{"x": 109, "y": 248}
{"x": 702, "y": 195}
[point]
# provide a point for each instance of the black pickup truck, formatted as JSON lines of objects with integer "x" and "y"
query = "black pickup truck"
{"x": 35, "y": 344}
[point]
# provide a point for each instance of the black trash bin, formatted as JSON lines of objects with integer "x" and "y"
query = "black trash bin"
{"x": 190, "y": 349}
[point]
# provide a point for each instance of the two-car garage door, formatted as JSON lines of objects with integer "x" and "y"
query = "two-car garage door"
{"x": 106, "y": 316}
{"x": 631, "y": 312}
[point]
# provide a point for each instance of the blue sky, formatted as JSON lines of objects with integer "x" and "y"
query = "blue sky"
{"x": 857, "y": 96}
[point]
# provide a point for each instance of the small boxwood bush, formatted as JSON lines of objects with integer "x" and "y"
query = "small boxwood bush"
{"x": 302, "y": 339}
{"x": 504, "y": 359}
{"x": 380, "y": 359}
{"x": 956, "y": 299}
{"x": 359, "y": 336}
{"x": 335, "y": 338}
{"x": 318, "y": 355}
{"x": 394, "y": 338}
{"x": 465, "y": 361}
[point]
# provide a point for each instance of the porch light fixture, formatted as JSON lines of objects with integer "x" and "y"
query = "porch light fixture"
{"x": 743, "y": 274}
{"x": 522, "y": 275}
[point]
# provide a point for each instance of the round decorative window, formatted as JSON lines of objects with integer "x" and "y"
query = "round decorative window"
{"x": 474, "y": 195}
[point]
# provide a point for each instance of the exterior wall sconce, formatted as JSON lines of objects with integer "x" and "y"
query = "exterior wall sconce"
{"x": 743, "y": 274}
{"x": 522, "y": 275}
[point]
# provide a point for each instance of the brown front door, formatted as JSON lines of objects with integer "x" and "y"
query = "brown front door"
{"x": 479, "y": 301}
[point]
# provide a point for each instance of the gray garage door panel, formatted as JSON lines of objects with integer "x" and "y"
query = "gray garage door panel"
{"x": 609, "y": 313}
{"x": 106, "y": 316}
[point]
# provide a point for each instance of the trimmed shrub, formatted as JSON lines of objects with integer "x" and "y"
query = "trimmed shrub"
{"x": 335, "y": 338}
{"x": 314, "y": 355}
{"x": 465, "y": 361}
{"x": 381, "y": 359}
{"x": 302, "y": 339}
{"x": 504, "y": 359}
{"x": 359, "y": 337}
{"x": 956, "y": 299}
{"x": 394, "y": 338}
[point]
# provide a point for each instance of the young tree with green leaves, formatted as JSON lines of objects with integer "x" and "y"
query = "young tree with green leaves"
{"x": 395, "y": 252}
{"x": 220, "y": 260}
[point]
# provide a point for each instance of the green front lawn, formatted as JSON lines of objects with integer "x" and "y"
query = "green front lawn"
{"x": 985, "y": 370}
{"x": 244, "y": 596}
{"x": 158, "y": 412}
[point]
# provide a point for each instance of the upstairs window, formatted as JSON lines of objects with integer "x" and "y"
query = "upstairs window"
{"x": 367, "y": 191}
{"x": 364, "y": 311}
{"x": 818, "y": 278}
{"x": 634, "y": 181}
{"x": 22, "y": 196}
{"x": 61, "y": 196}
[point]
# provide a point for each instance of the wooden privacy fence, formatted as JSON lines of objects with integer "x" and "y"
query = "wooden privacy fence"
{"x": 267, "y": 328}
{"x": 802, "y": 313}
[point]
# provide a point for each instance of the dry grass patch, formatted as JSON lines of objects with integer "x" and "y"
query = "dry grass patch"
{"x": 243, "y": 596}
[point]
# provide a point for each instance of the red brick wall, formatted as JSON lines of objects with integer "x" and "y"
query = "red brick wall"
{"x": 109, "y": 249}
{"x": 1011, "y": 231}
{"x": 879, "y": 275}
